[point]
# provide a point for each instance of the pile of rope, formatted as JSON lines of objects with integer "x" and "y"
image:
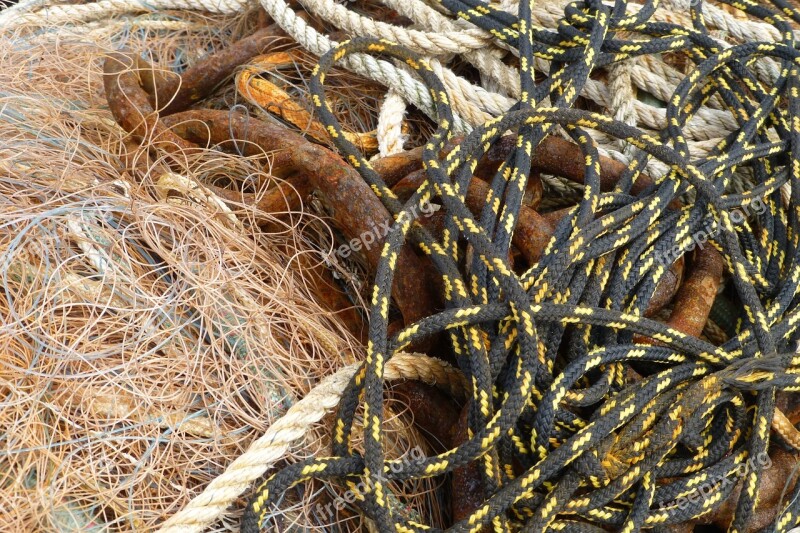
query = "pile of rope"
{"x": 565, "y": 439}
{"x": 581, "y": 410}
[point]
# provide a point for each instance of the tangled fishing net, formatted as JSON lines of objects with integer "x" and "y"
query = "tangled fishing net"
{"x": 540, "y": 259}
{"x": 149, "y": 332}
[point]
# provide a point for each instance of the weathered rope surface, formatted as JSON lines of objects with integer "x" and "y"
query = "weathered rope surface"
{"x": 207, "y": 507}
{"x": 390, "y": 125}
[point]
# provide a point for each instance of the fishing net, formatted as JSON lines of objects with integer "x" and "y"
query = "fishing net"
{"x": 149, "y": 331}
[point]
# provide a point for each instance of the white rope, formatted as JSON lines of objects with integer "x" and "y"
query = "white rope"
{"x": 12, "y": 13}
{"x": 463, "y": 95}
{"x": 211, "y": 504}
{"x": 426, "y": 43}
{"x": 382, "y": 71}
{"x": 80, "y": 13}
{"x": 484, "y": 58}
{"x": 390, "y": 125}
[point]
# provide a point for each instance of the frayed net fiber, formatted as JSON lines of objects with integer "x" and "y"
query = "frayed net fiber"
{"x": 148, "y": 333}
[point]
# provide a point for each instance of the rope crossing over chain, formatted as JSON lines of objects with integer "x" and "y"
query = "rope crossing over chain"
{"x": 566, "y": 442}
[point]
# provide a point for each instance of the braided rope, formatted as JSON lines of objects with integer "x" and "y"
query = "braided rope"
{"x": 623, "y": 96}
{"x": 427, "y": 43}
{"x": 17, "y": 10}
{"x": 400, "y": 81}
{"x": 80, "y": 13}
{"x": 599, "y": 269}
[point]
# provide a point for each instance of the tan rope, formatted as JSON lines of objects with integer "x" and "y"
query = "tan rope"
{"x": 784, "y": 427}
{"x": 212, "y": 503}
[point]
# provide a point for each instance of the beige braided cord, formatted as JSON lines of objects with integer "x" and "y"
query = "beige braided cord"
{"x": 402, "y": 82}
{"x": 211, "y": 504}
{"x": 20, "y": 8}
{"x": 784, "y": 427}
{"x": 471, "y": 103}
{"x": 487, "y": 59}
{"x": 623, "y": 96}
{"x": 444, "y": 38}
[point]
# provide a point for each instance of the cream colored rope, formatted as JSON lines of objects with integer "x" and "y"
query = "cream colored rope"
{"x": 390, "y": 125}
{"x": 212, "y": 503}
{"x": 442, "y": 35}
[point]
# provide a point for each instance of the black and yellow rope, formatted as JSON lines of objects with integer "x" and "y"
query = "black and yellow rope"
{"x": 566, "y": 441}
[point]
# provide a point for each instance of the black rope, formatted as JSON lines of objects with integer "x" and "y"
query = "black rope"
{"x": 558, "y": 428}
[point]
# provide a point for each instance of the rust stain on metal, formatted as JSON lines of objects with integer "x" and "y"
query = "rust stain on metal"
{"x": 354, "y": 207}
{"x": 131, "y": 108}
